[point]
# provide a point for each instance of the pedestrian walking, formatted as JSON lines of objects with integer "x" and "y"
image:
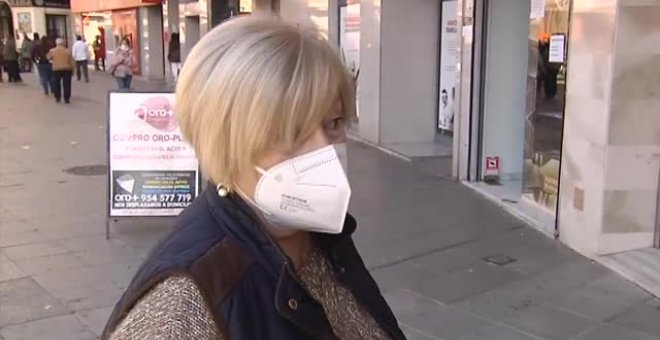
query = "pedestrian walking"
{"x": 266, "y": 252}
{"x": 122, "y": 64}
{"x": 2, "y": 60}
{"x": 174, "y": 55}
{"x": 80, "y": 52}
{"x": 10, "y": 58}
{"x": 44, "y": 67}
{"x": 99, "y": 53}
{"x": 63, "y": 65}
{"x": 26, "y": 54}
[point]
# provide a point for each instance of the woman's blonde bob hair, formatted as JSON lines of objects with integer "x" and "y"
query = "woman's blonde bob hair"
{"x": 253, "y": 83}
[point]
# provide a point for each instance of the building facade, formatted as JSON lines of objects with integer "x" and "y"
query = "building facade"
{"x": 149, "y": 25}
{"x": 46, "y": 17}
{"x": 547, "y": 107}
{"x": 139, "y": 21}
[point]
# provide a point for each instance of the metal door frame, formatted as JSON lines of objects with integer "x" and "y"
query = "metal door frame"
{"x": 657, "y": 217}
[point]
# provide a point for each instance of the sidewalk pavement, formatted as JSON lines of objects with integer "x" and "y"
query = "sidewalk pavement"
{"x": 451, "y": 264}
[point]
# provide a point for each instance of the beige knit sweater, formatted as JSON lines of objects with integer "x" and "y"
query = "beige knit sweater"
{"x": 175, "y": 309}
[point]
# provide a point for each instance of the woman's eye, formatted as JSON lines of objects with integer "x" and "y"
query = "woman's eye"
{"x": 336, "y": 124}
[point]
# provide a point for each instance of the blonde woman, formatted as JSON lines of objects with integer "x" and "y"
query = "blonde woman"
{"x": 266, "y": 252}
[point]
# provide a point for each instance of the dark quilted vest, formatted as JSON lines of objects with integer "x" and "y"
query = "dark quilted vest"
{"x": 245, "y": 279}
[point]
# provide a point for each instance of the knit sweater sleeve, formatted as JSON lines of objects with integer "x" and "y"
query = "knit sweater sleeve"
{"x": 173, "y": 309}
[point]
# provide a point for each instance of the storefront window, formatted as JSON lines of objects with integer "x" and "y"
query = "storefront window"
{"x": 546, "y": 86}
{"x": 449, "y": 41}
{"x": 56, "y": 27}
{"x": 125, "y": 25}
{"x": 245, "y": 6}
{"x": 349, "y": 37}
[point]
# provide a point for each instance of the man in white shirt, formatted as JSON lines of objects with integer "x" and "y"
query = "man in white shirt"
{"x": 80, "y": 53}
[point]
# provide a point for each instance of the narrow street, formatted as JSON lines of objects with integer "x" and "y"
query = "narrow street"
{"x": 452, "y": 265}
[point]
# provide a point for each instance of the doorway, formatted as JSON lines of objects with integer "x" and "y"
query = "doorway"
{"x": 657, "y": 216}
{"x": 6, "y": 22}
{"x": 56, "y": 27}
{"x": 544, "y": 117}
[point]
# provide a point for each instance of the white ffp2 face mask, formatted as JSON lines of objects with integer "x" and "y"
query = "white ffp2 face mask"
{"x": 342, "y": 154}
{"x": 309, "y": 192}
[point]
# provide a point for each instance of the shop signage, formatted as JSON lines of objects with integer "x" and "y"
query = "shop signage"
{"x": 557, "y": 48}
{"x": 39, "y": 3}
{"x": 537, "y": 9}
{"x": 492, "y": 166}
{"x": 450, "y": 38}
{"x": 349, "y": 35}
{"x": 153, "y": 171}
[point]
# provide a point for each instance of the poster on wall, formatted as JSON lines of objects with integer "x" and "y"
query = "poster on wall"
{"x": 449, "y": 42}
{"x": 153, "y": 171}
{"x": 24, "y": 22}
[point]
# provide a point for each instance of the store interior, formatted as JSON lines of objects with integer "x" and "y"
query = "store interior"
{"x": 523, "y": 107}
{"x": 548, "y": 36}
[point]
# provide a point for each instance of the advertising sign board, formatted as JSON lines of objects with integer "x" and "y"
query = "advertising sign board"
{"x": 152, "y": 170}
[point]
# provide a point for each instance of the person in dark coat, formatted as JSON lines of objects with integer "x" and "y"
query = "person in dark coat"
{"x": 2, "y": 60}
{"x": 10, "y": 58}
{"x": 25, "y": 57}
{"x": 174, "y": 55}
{"x": 44, "y": 67}
{"x": 99, "y": 53}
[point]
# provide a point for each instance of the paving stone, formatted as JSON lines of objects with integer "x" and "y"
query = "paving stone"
{"x": 414, "y": 334}
{"x": 397, "y": 276}
{"x": 23, "y": 300}
{"x": 61, "y": 327}
{"x": 432, "y": 317}
{"x": 118, "y": 274}
{"x": 90, "y": 242}
{"x": 644, "y": 317}
{"x": 493, "y": 306}
{"x": 106, "y": 256}
{"x": 95, "y": 319}
{"x": 612, "y": 332}
{"x": 548, "y": 322}
{"x": 89, "y": 297}
{"x": 600, "y": 299}
{"x": 9, "y": 270}
{"x": 18, "y": 289}
{"x": 498, "y": 333}
{"x": 34, "y": 250}
{"x": 45, "y": 264}
{"x": 555, "y": 281}
{"x": 472, "y": 280}
{"x": 23, "y": 237}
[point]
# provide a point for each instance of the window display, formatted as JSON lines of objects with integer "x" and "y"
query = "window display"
{"x": 349, "y": 37}
{"x": 449, "y": 41}
{"x": 546, "y": 84}
{"x": 125, "y": 25}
